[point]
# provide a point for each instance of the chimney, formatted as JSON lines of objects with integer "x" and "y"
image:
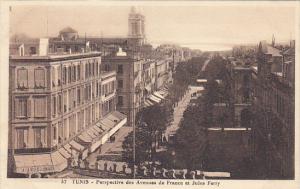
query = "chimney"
{"x": 43, "y": 47}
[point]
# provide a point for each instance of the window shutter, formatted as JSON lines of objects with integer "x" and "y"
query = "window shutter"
{"x": 17, "y": 108}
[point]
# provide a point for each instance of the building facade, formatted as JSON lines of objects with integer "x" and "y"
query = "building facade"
{"x": 274, "y": 110}
{"x": 59, "y": 106}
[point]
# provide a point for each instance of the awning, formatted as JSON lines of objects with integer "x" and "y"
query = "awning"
{"x": 148, "y": 103}
{"x": 158, "y": 95}
{"x": 112, "y": 118}
{"x": 68, "y": 148}
{"x": 37, "y": 163}
{"x": 97, "y": 129}
{"x": 84, "y": 137}
{"x": 119, "y": 115}
{"x": 64, "y": 153}
{"x": 154, "y": 98}
{"x": 107, "y": 124}
{"x": 99, "y": 125}
{"x": 59, "y": 162}
{"x": 91, "y": 133}
{"x": 163, "y": 93}
{"x": 78, "y": 147}
{"x": 40, "y": 163}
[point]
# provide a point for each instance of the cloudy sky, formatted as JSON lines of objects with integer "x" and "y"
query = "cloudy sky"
{"x": 197, "y": 27}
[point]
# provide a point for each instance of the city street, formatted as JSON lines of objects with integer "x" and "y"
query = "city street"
{"x": 179, "y": 110}
{"x": 111, "y": 152}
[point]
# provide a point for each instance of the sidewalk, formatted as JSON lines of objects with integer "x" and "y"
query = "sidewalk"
{"x": 178, "y": 112}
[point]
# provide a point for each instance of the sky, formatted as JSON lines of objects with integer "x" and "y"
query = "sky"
{"x": 204, "y": 27}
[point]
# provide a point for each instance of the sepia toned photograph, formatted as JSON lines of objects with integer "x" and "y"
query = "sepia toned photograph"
{"x": 151, "y": 92}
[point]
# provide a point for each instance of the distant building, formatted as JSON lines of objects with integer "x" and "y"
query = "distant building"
{"x": 61, "y": 108}
{"x": 274, "y": 107}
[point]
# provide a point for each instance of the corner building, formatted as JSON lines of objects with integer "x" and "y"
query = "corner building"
{"x": 62, "y": 107}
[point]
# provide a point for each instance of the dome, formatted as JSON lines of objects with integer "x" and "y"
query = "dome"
{"x": 68, "y": 30}
{"x": 68, "y": 34}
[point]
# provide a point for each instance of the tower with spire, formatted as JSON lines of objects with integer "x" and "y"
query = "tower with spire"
{"x": 273, "y": 40}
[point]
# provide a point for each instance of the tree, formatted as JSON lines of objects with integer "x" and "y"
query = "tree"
{"x": 191, "y": 139}
{"x": 150, "y": 123}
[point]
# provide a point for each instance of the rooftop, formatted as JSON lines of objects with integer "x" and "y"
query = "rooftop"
{"x": 56, "y": 56}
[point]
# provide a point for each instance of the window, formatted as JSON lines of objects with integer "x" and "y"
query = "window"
{"x": 86, "y": 70}
{"x": 112, "y": 86}
{"x": 94, "y": 69}
{"x": 39, "y": 78}
{"x": 60, "y": 132}
{"x": 74, "y": 73}
{"x": 59, "y": 104}
{"x": 120, "y": 100}
{"x": 99, "y": 88}
{"x": 90, "y": 69}
{"x": 64, "y": 75}
{"x": 120, "y": 69}
{"x": 120, "y": 84}
{"x": 32, "y": 50}
{"x": 78, "y": 72}
{"x": 22, "y": 108}
{"x": 78, "y": 96}
{"x": 39, "y": 137}
{"x": 54, "y": 76}
{"x": 39, "y": 107}
{"x": 106, "y": 67}
{"x": 93, "y": 113}
{"x": 54, "y": 132}
{"x": 22, "y": 78}
{"x": 70, "y": 98}
{"x": 54, "y": 105}
{"x": 68, "y": 48}
{"x": 22, "y": 138}
{"x": 97, "y": 68}
{"x": 74, "y": 97}
{"x": 69, "y": 74}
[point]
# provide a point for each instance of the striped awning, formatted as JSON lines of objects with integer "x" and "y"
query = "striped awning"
{"x": 154, "y": 99}
{"x": 78, "y": 147}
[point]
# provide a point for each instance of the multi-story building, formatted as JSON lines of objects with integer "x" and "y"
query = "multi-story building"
{"x": 274, "y": 108}
{"x": 163, "y": 72}
{"x": 62, "y": 107}
{"x": 129, "y": 82}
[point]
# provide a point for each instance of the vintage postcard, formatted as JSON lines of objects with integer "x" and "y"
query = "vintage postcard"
{"x": 149, "y": 94}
